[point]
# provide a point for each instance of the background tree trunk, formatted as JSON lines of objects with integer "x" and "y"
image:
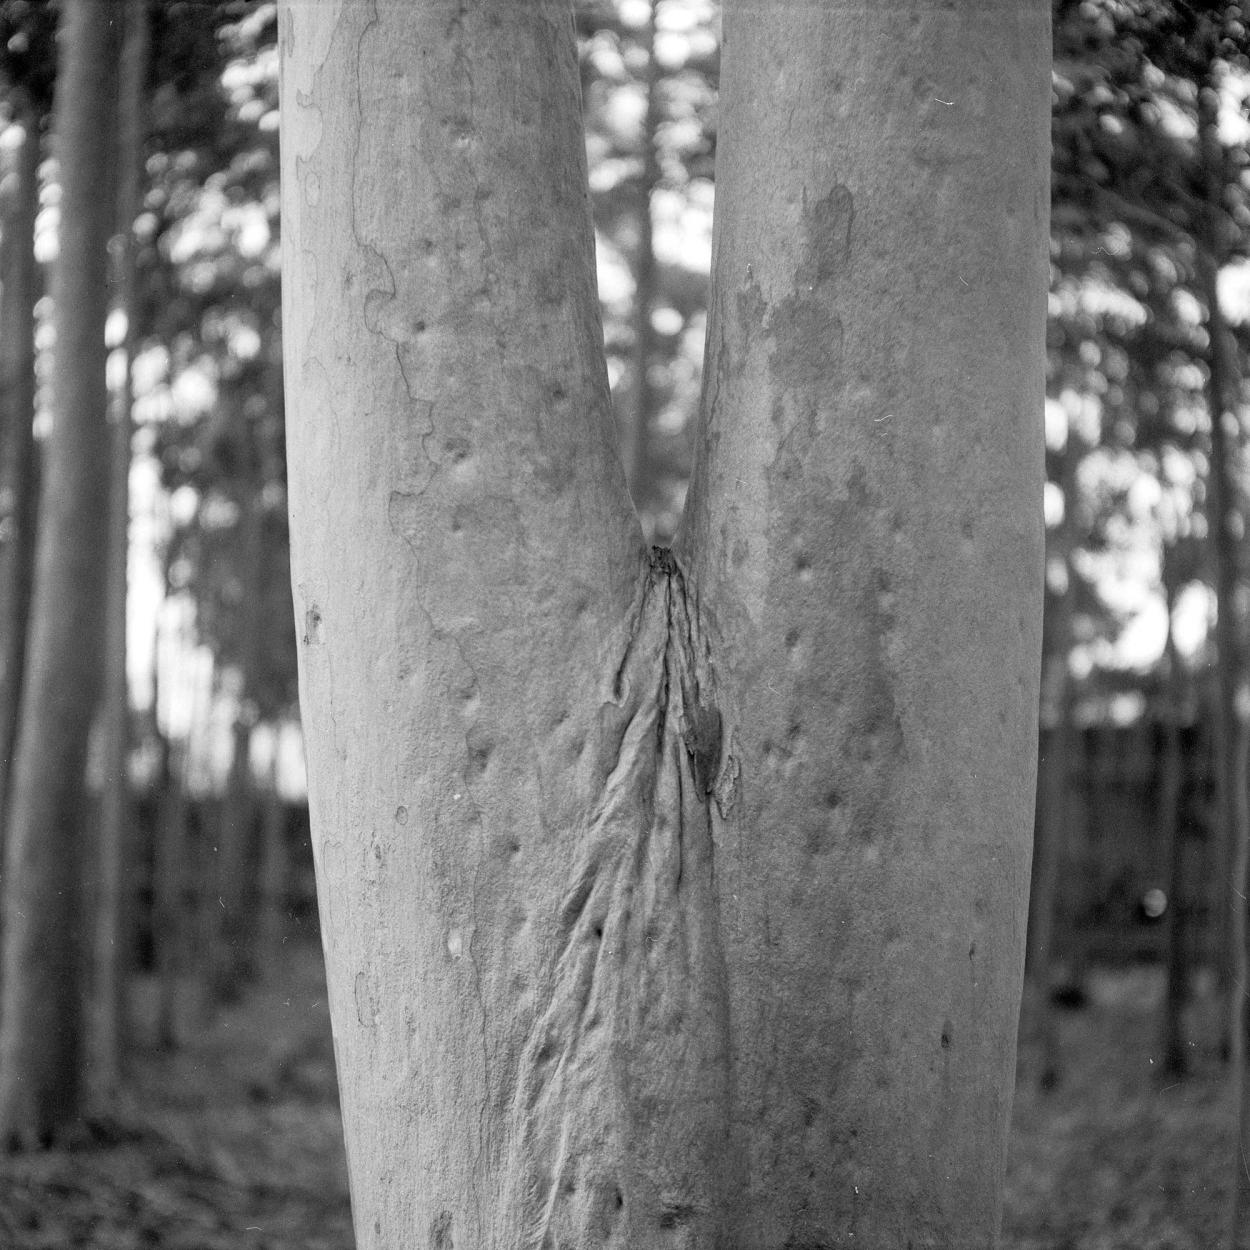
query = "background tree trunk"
{"x": 1054, "y": 808}
{"x": 1172, "y": 836}
{"x": 675, "y": 898}
{"x": 41, "y": 1042}
{"x": 1231, "y": 737}
{"x": 113, "y": 955}
{"x": 171, "y": 898}
{"x": 637, "y": 441}
{"x": 19, "y": 289}
{"x": 274, "y": 874}
{"x": 230, "y": 956}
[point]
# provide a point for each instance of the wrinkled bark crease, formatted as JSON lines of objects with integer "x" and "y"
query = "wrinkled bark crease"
{"x": 621, "y": 1107}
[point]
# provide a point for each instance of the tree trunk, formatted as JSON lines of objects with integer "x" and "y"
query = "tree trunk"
{"x": 642, "y": 399}
{"x": 1054, "y": 807}
{"x": 232, "y": 957}
{"x": 114, "y": 905}
{"x": 1224, "y": 507}
{"x": 672, "y": 898}
{"x": 230, "y": 962}
{"x": 1171, "y": 837}
{"x": 19, "y": 289}
{"x": 1239, "y": 1218}
{"x": 41, "y": 1040}
{"x": 274, "y": 870}
{"x": 170, "y": 895}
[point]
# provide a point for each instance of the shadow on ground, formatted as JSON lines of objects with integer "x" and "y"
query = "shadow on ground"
{"x": 234, "y": 1141}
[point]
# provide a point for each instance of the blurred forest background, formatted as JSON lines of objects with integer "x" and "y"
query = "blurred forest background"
{"x": 200, "y": 1110}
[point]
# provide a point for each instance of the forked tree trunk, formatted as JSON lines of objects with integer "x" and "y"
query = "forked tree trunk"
{"x": 670, "y": 898}
{"x": 41, "y": 1022}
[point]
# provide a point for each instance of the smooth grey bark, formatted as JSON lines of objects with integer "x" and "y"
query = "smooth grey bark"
{"x": 865, "y": 517}
{"x": 671, "y": 897}
{"x": 41, "y": 1018}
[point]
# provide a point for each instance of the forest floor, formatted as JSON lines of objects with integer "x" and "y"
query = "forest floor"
{"x": 1118, "y": 1155}
{"x": 233, "y": 1140}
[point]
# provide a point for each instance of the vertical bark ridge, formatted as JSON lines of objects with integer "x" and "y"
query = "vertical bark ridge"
{"x": 620, "y": 1114}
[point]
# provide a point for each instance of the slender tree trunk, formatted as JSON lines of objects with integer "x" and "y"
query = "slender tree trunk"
{"x": 1052, "y": 835}
{"x": 273, "y": 873}
{"x": 230, "y": 959}
{"x": 19, "y": 289}
{"x": 114, "y": 907}
{"x": 1240, "y": 1205}
{"x": 660, "y": 901}
{"x": 638, "y": 425}
{"x": 203, "y": 828}
{"x": 1222, "y": 507}
{"x": 171, "y": 901}
{"x": 1054, "y": 806}
{"x": 1171, "y": 837}
{"x": 41, "y": 1034}
{"x": 1224, "y": 389}
{"x": 170, "y": 895}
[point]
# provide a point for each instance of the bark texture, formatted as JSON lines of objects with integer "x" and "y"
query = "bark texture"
{"x": 670, "y": 898}
{"x": 41, "y": 1026}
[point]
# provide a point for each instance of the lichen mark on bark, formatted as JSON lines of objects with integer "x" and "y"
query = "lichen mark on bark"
{"x": 619, "y": 1123}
